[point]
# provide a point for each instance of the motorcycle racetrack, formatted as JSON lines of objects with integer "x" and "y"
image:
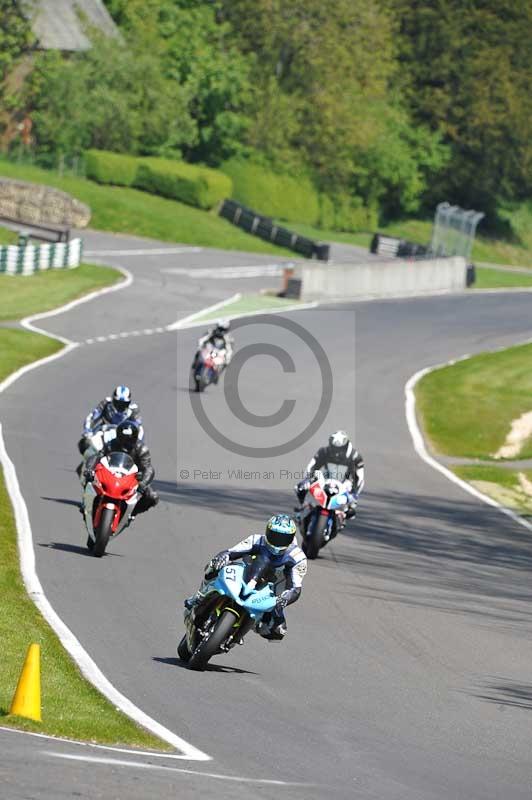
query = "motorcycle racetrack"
{"x": 406, "y": 673}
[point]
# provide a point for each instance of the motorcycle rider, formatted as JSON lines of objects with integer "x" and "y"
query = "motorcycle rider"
{"x": 127, "y": 441}
{"x": 340, "y": 460}
{"x": 287, "y": 560}
{"x": 218, "y": 337}
{"x": 111, "y": 411}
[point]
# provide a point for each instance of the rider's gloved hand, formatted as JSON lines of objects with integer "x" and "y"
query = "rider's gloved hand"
{"x": 217, "y": 563}
{"x": 281, "y": 602}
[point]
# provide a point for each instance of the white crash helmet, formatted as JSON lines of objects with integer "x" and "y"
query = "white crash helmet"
{"x": 340, "y": 444}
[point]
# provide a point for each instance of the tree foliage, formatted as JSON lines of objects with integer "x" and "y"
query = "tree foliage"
{"x": 467, "y": 71}
{"x": 395, "y": 104}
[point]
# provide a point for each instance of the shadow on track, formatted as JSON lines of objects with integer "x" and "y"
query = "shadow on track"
{"x": 508, "y": 694}
{"x": 419, "y": 549}
{"x": 73, "y": 548}
{"x": 455, "y": 555}
{"x": 252, "y": 501}
{"x": 176, "y": 662}
{"x": 64, "y": 500}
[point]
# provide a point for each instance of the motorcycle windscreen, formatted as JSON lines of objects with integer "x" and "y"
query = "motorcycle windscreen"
{"x": 258, "y": 568}
{"x": 121, "y": 461}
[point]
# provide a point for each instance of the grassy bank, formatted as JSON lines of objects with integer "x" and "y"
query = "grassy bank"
{"x": 511, "y": 488}
{"x": 499, "y": 279}
{"x": 21, "y": 295}
{"x": 248, "y": 304}
{"x": 125, "y": 210}
{"x": 467, "y": 408}
{"x": 71, "y": 707}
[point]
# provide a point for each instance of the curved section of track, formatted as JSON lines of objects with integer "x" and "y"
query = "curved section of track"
{"x": 406, "y": 670}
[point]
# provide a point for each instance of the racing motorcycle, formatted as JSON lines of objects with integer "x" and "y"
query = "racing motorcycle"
{"x": 109, "y": 499}
{"x": 94, "y": 442}
{"x": 207, "y": 367}
{"x": 325, "y": 514}
{"x": 235, "y": 600}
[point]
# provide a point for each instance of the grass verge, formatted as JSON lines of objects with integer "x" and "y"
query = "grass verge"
{"x": 7, "y": 236}
{"x": 467, "y": 408}
{"x": 71, "y": 707}
{"x": 248, "y": 304}
{"x": 21, "y": 295}
{"x": 499, "y": 279}
{"x": 511, "y": 488}
{"x": 124, "y": 210}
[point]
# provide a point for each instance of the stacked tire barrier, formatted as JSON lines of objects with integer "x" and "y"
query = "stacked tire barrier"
{"x": 27, "y": 259}
{"x": 382, "y": 245}
{"x": 264, "y": 227}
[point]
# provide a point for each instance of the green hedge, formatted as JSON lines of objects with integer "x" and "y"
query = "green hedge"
{"x": 197, "y": 186}
{"x": 104, "y": 167}
{"x": 277, "y": 196}
{"x": 344, "y": 212}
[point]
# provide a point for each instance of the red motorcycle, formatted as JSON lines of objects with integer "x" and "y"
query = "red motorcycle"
{"x": 108, "y": 500}
{"x": 207, "y": 367}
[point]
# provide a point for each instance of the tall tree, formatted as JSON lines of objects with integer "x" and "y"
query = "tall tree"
{"x": 467, "y": 71}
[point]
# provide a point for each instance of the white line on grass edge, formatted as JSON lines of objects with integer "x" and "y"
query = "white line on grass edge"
{"x": 27, "y": 554}
{"x": 419, "y": 442}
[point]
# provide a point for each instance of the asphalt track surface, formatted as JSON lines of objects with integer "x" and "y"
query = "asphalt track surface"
{"x": 406, "y": 672}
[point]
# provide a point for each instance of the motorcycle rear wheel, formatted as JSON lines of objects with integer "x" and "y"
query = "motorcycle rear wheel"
{"x": 103, "y": 532}
{"x": 209, "y": 647}
{"x": 314, "y": 540}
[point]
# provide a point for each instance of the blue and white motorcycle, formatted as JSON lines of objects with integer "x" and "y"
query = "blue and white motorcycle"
{"x": 235, "y": 601}
{"x": 325, "y": 514}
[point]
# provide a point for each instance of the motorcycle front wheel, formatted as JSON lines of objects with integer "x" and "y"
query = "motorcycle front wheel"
{"x": 314, "y": 539}
{"x": 209, "y": 647}
{"x": 103, "y": 532}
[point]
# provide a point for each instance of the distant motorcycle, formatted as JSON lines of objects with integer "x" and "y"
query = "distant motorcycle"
{"x": 207, "y": 367}
{"x": 322, "y": 517}
{"x": 108, "y": 500}
{"x": 236, "y": 599}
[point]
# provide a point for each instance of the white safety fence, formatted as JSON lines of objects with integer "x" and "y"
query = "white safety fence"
{"x": 30, "y": 258}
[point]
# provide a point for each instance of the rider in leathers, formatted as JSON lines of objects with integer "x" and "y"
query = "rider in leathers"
{"x": 126, "y": 441}
{"x": 219, "y": 338}
{"x": 338, "y": 460}
{"x": 111, "y": 411}
{"x": 288, "y": 562}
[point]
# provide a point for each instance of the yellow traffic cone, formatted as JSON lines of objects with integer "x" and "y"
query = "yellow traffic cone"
{"x": 27, "y": 698}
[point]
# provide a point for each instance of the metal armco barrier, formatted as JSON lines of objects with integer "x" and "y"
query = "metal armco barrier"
{"x": 27, "y": 259}
{"x": 264, "y": 227}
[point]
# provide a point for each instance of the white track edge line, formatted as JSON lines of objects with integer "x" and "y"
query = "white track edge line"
{"x": 142, "y": 765}
{"x": 27, "y": 554}
{"x": 419, "y": 442}
{"x": 80, "y": 743}
{"x": 180, "y": 323}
